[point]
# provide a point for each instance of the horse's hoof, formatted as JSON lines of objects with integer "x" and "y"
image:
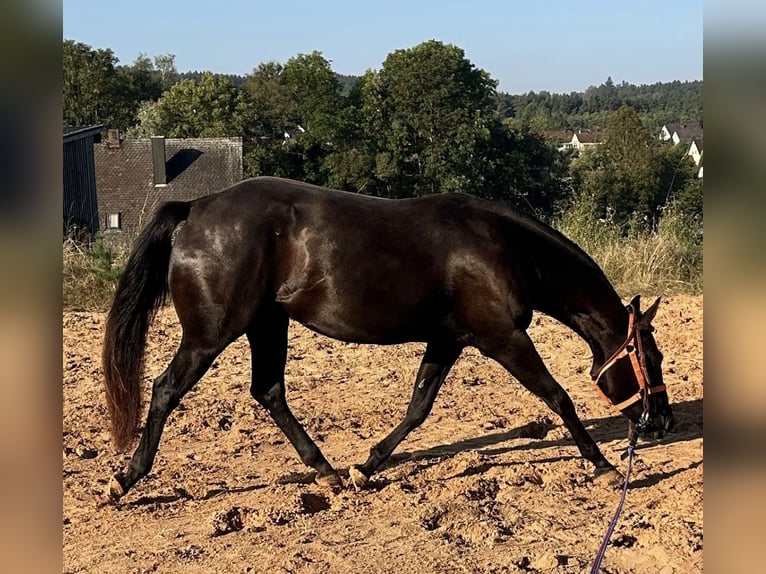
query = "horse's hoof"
{"x": 357, "y": 477}
{"x": 331, "y": 480}
{"x": 609, "y": 477}
{"x": 116, "y": 490}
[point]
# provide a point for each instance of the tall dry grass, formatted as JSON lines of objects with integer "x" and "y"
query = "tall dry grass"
{"x": 666, "y": 260}
{"x": 90, "y": 275}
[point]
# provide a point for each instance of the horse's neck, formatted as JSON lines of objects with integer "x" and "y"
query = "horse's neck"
{"x": 602, "y": 321}
{"x": 574, "y": 290}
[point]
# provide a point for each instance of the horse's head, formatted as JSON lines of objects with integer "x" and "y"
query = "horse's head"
{"x": 631, "y": 379}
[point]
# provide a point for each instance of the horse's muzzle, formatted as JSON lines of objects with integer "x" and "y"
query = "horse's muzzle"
{"x": 656, "y": 426}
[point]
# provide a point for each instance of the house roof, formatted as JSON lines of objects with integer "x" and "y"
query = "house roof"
{"x": 557, "y": 134}
{"x": 670, "y": 128}
{"x": 588, "y": 137}
{"x": 688, "y": 133}
{"x": 72, "y": 133}
{"x": 194, "y": 168}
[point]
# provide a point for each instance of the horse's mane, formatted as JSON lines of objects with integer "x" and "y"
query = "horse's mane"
{"x": 531, "y": 224}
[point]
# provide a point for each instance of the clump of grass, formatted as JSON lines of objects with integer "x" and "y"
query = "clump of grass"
{"x": 638, "y": 258}
{"x": 90, "y": 275}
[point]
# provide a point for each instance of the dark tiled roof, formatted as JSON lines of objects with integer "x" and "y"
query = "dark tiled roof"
{"x": 689, "y": 133}
{"x": 194, "y": 167}
{"x": 672, "y": 127}
{"x": 557, "y": 134}
{"x": 75, "y": 132}
{"x": 588, "y": 137}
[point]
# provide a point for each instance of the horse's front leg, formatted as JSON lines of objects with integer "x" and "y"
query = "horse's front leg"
{"x": 518, "y": 355}
{"x": 437, "y": 361}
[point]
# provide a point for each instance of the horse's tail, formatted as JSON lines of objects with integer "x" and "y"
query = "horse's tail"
{"x": 142, "y": 289}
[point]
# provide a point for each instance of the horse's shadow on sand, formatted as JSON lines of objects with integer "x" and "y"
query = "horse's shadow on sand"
{"x": 688, "y": 417}
{"x": 688, "y": 427}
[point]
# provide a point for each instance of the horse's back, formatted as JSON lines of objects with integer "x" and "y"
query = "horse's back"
{"x": 350, "y": 266}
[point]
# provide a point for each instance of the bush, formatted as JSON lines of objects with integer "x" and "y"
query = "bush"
{"x": 638, "y": 257}
{"x": 91, "y": 273}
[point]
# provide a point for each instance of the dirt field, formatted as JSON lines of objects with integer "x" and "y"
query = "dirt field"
{"x": 490, "y": 483}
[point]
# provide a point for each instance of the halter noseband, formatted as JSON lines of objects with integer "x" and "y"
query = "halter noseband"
{"x": 633, "y": 348}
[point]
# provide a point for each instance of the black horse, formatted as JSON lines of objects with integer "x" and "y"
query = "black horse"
{"x": 449, "y": 270}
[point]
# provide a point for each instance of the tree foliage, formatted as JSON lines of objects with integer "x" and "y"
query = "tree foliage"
{"x": 656, "y": 104}
{"x": 428, "y": 121}
{"x": 631, "y": 175}
{"x": 97, "y": 90}
{"x": 292, "y": 117}
{"x": 209, "y": 107}
{"x": 425, "y": 123}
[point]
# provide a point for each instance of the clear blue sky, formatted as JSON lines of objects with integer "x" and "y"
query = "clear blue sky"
{"x": 559, "y": 46}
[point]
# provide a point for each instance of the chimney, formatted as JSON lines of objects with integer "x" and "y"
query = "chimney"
{"x": 158, "y": 160}
{"x": 113, "y": 139}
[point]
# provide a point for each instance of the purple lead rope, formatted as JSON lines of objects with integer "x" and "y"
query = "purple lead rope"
{"x": 613, "y": 523}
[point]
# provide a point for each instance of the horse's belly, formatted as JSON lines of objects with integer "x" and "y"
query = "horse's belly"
{"x": 356, "y": 316}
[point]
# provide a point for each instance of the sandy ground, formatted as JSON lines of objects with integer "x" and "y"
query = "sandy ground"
{"x": 490, "y": 483}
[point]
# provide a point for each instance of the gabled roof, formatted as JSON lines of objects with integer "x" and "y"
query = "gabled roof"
{"x": 688, "y": 133}
{"x": 72, "y": 133}
{"x": 670, "y": 128}
{"x": 194, "y": 168}
{"x": 587, "y": 137}
{"x": 557, "y": 134}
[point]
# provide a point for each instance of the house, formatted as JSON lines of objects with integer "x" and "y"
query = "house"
{"x": 695, "y": 153}
{"x": 556, "y": 137}
{"x": 135, "y": 176}
{"x": 680, "y": 133}
{"x": 686, "y": 135}
{"x": 581, "y": 140}
{"x": 80, "y": 197}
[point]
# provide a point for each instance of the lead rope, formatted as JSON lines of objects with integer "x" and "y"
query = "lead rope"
{"x": 602, "y": 550}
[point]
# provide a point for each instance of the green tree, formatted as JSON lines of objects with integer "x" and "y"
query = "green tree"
{"x": 90, "y": 84}
{"x": 353, "y": 162}
{"x": 148, "y": 121}
{"x": 211, "y": 107}
{"x": 291, "y": 117}
{"x": 428, "y": 110}
{"x": 136, "y": 84}
{"x": 631, "y": 175}
{"x": 165, "y": 64}
{"x": 98, "y": 90}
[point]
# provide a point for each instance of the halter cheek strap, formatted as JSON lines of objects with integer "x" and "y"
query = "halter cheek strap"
{"x": 633, "y": 348}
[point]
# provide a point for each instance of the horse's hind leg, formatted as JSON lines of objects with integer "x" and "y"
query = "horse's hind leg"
{"x": 187, "y": 367}
{"x": 519, "y": 356}
{"x": 268, "y": 342}
{"x": 437, "y": 361}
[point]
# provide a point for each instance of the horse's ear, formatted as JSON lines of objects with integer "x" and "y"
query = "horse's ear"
{"x": 636, "y": 303}
{"x": 648, "y": 315}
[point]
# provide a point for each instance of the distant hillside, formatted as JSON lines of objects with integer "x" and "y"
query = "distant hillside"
{"x": 656, "y": 104}
{"x": 196, "y": 75}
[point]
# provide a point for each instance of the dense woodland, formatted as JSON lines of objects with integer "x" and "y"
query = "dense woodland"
{"x": 427, "y": 121}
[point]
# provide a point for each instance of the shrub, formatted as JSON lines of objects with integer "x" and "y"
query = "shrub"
{"x": 90, "y": 275}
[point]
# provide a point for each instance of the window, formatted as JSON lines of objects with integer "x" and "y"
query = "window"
{"x": 114, "y": 221}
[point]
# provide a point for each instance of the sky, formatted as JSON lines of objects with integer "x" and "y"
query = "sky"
{"x": 558, "y": 46}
